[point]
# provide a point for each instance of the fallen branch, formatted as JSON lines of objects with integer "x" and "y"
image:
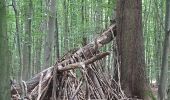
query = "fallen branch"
{"x": 86, "y": 62}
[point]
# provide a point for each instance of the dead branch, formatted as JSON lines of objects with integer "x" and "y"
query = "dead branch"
{"x": 49, "y": 72}
{"x": 86, "y": 62}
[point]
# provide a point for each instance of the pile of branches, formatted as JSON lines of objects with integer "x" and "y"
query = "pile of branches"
{"x": 79, "y": 75}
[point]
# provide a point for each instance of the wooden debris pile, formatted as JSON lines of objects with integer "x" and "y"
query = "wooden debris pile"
{"x": 80, "y": 76}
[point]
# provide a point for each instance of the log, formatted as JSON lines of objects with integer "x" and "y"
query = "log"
{"x": 87, "y": 52}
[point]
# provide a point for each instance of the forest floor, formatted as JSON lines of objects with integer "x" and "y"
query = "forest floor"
{"x": 154, "y": 89}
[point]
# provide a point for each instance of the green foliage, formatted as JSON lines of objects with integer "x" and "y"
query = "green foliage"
{"x": 78, "y": 27}
{"x": 153, "y": 29}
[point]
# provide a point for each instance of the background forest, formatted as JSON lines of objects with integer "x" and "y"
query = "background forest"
{"x": 41, "y": 32}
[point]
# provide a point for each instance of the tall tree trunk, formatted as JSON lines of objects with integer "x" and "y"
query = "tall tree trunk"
{"x": 4, "y": 55}
{"x": 131, "y": 47}
{"x": 38, "y": 51}
{"x": 27, "y": 41}
{"x": 50, "y": 35}
{"x": 66, "y": 30}
{"x": 164, "y": 69}
{"x": 57, "y": 49}
{"x": 18, "y": 36}
{"x": 83, "y": 12}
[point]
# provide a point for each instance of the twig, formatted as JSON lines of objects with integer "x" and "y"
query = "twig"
{"x": 39, "y": 87}
{"x": 54, "y": 82}
{"x": 78, "y": 88}
{"x": 86, "y": 62}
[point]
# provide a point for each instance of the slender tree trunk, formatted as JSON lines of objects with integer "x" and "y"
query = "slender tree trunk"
{"x": 66, "y": 30}
{"x": 4, "y": 55}
{"x": 38, "y": 51}
{"x": 18, "y": 36}
{"x": 50, "y": 35}
{"x": 164, "y": 69}
{"x": 131, "y": 47}
{"x": 27, "y": 41}
{"x": 84, "y": 39}
{"x": 57, "y": 49}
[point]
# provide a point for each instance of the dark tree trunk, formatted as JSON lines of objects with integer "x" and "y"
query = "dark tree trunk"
{"x": 57, "y": 38}
{"x": 83, "y": 21}
{"x": 131, "y": 47}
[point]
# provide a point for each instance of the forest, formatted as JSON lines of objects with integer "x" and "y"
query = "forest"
{"x": 84, "y": 49}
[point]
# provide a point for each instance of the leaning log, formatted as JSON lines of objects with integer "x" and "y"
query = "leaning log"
{"x": 86, "y": 52}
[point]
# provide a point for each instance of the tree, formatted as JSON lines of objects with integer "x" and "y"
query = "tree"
{"x": 84, "y": 41}
{"x": 131, "y": 47}
{"x": 27, "y": 41}
{"x": 66, "y": 28}
{"x": 14, "y": 3}
{"x": 38, "y": 51}
{"x": 56, "y": 47}
{"x": 4, "y": 55}
{"x": 50, "y": 35}
{"x": 164, "y": 69}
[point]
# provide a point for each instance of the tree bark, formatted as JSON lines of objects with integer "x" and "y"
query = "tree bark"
{"x": 66, "y": 29}
{"x": 84, "y": 38}
{"x": 131, "y": 47}
{"x": 27, "y": 41}
{"x": 18, "y": 36}
{"x": 164, "y": 69}
{"x": 50, "y": 35}
{"x": 38, "y": 51}
{"x": 57, "y": 49}
{"x": 4, "y": 55}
